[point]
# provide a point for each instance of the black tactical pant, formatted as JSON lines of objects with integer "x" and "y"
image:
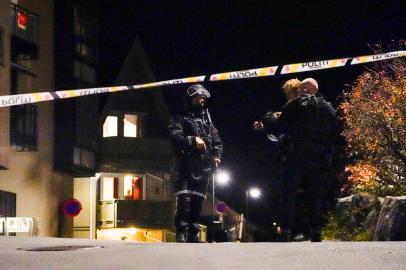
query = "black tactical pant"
{"x": 188, "y": 208}
{"x": 305, "y": 167}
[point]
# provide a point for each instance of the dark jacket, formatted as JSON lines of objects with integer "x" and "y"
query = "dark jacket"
{"x": 196, "y": 165}
{"x": 309, "y": 119}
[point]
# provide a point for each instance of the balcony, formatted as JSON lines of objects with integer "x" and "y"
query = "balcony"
{"x": 24, "y": 27}
{"x": 140, "y": 214}
{"x": 120, "y": 153}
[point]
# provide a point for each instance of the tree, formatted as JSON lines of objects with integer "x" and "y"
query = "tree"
{"x": 374, "y": 116}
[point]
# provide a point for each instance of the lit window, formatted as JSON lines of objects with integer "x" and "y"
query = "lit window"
{"x": 110, "y": 126}
{"x": 128, "y": 186}
{"x": 130, "y": 125}
{"x": 22, "y": 20}
{"x": 132, "y": 187}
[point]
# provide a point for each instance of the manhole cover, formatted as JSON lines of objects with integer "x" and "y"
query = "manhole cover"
{"x": 60, "y": 248}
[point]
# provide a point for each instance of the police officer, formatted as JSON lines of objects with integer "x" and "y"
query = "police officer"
{"x": 200, "y": 148}
{"x": 268, "y": 122}
{"x": 309, "y": 126}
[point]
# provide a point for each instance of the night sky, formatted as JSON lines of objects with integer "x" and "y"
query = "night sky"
{"x": 209, "y": 37}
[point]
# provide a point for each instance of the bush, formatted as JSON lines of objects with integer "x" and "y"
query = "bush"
{"x": 374, "y": 116}
{"x": 339, "y": 228}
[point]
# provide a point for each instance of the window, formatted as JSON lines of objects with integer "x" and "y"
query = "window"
{"x": 24, "y": 25}
{"x": 86, "y": 29}
{"x": 121, "y": 124}
{"x": 23, "y": 127}
{"x": 7, "y": 204}
{"x": 132, "y": 187}
{"x": 110, "y": 126}
{"x": 85, "y": 25}
{"x": 130, "y": 125}
{"x": 83, "y": 158}
{"x": 128, "y": 186}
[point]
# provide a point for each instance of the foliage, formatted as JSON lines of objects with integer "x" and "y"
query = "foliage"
{"x": 374, "y": 116}
{"x": 340, "y": 227}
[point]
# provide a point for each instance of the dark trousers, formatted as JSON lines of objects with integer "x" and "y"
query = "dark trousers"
{"x": 304, "y": 167}
{"x": 188, "y": 208}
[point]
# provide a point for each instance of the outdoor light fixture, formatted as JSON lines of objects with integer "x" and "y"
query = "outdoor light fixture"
{"x": 133, "y": 230}
{"x": 222, "y": 178}
{"x": 254, "y": 193}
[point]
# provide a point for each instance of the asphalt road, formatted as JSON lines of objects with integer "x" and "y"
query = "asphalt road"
{"x": 251, "y": 256}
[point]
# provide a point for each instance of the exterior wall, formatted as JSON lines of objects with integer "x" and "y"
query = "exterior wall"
{"x": 5, "y": 82}
{"x": 76, "y": 120}
{"x": 40, "y": 190}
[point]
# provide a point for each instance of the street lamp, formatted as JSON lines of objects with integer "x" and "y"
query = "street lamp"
{"x": 222, "y": 178}
{"x": 253, "y": 193}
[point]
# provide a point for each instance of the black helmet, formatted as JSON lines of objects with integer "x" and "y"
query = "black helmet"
{"x": 197, "y": 90}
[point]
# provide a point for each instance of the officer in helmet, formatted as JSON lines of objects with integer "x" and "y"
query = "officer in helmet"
{"x": 199, "y": 146}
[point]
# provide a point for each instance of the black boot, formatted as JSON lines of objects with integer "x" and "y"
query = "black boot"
{"x": 181, "y": 237}
{"x": 315, "y": 235}
{"x": 181, "y": 232}
{"x": 193, "y": 238}
{"x": 193, "y": 231}
{"x": 182, "y": 213}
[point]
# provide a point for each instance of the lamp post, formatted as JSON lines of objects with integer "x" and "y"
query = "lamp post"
{"x": 222, "y": 178}
{"x": 254, "y": 193}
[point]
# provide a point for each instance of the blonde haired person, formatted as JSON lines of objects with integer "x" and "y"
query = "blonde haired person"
{"x": 291, "y": 88}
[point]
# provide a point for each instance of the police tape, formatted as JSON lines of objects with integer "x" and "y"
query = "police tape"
{"x": 303, "y": 67}
{"x": 13, "y": 100}
{"x": 376, "y": 57}
{"x": 242, "y": 74}
{"x": 315, "y": 65}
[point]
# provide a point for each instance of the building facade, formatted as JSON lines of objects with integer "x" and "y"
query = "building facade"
{"x": 30, "y": 187}
{"x": 109, "y": 151}
{"x": 113, "y": 145}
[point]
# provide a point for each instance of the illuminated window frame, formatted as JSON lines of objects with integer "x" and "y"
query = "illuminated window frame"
{"x": 123, "y": 124}
{"x": 131, "y": 126}
{"x": 110, "y": 126}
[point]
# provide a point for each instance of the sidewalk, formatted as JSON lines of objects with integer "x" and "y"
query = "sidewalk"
{"x": 248, "y": 256}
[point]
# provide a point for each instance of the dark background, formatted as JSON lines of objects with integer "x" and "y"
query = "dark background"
{"x": 190, "y": 38}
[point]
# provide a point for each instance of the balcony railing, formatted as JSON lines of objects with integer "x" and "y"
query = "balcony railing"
{"x": 140, "y": 214}
{"x": 24, "y": 24}
{"x": 141, "y": 153}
